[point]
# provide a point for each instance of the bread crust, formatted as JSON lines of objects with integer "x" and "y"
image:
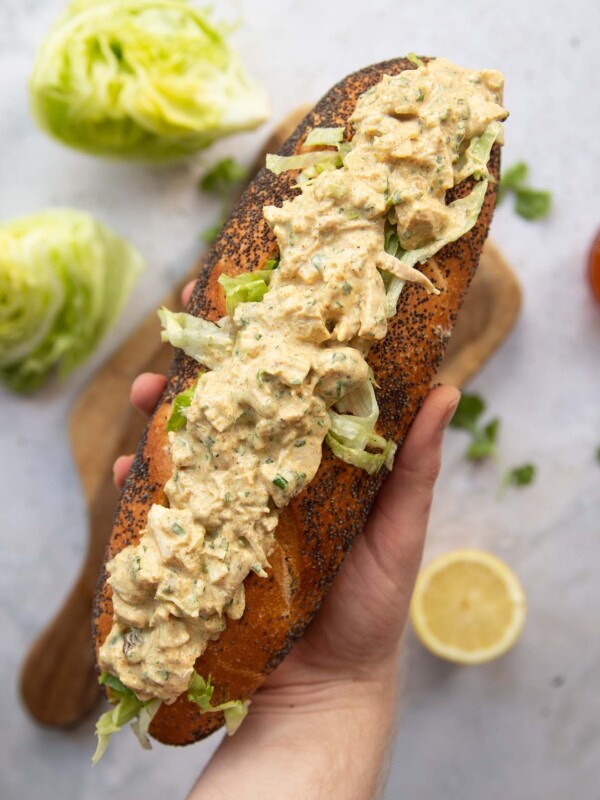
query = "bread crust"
{"x": 316, "y": 529}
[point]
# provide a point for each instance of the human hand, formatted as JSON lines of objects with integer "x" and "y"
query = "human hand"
{"x": 346, "y": 661}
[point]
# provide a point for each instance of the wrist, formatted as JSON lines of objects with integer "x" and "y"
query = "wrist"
{"x": 331, "y": 734}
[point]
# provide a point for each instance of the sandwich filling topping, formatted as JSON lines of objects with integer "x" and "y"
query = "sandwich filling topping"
{"x": 253, "y": 429}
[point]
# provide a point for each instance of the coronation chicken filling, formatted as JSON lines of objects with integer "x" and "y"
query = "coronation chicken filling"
{"x": 255, "y": 427}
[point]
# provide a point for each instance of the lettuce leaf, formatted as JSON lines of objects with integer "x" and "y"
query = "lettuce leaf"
{"x": 204, "y": 341}
{"x": 64, "y": 279}
{"x": 177, "y": 419}
{"x": 324, "y": 137}
{"x": 249, "y": 287}
{"x": 278, "y": 164}
{"x": 146, "y": 79}
{"x": 370, "y": 462}
{"x": 465, "y": 211}
{"x": 200, "y": 692}
{"x": 415, "y": 59}
{"x": 475, "y": 158}
{"x": 127, "y": 707}
{"x": 141, "y": 725}
{"x": 350, "y": 434}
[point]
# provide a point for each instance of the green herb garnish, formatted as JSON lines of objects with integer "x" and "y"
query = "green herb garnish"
{"x": 466, "y": 418}
{"x": 530, "y": 203}
{"x": 484, "y": 442}
{"x": 176, "y": 528}
{"x": 280, "y": 481}
{"x": 533, "y": 204}
{"x": 222, "y": 175}
{"x": 520, "y": 476}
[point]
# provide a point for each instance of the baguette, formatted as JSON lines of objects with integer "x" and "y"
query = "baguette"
{"x": 316, "y": 529}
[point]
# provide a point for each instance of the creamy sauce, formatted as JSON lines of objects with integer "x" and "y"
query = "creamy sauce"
{"x": 255, "y": 428}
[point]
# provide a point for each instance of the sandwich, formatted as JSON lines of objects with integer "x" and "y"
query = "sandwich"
{"x": 312, "y": 337}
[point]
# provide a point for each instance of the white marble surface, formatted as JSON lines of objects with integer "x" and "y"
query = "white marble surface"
{"x": 523, "y": 728}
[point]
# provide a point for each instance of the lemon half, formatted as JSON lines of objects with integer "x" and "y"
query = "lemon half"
{"x": 468, "y": 607}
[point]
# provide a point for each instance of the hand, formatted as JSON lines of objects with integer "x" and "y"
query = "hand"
{"x": 346, "y": 661}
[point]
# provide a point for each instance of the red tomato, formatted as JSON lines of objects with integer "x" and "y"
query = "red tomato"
{"x": 594, "y": 267}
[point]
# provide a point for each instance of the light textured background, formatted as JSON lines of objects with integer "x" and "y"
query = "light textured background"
{"x": 523, "y": 728}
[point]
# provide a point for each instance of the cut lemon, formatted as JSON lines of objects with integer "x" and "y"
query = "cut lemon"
{"x": 468, "y": 607}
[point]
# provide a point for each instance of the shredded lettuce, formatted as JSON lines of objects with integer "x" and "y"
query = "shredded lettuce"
{"x": 177, "y": 420}
{"x": 200, "y": 691}
{"x": 370, "y": 462}
{"x": 249, "y": 287}
{"x": 465, "y": 211}
{"x": 64, "y": 279}
{"x": 141, "y": 725}
{"x": 343, "y": 149}
{"x": 147, "y": 79}
{"x": 126, "y": 708}
{"x": 393, "y": 284}
{"x": 204, "y": 341}
{"x": 415, "y": 59}
{"x": 474, "y": 160}
{"x": 278, "y": 164}
{"x": 350, "y": 434}
{"x": 392, "y": 294}
{"x": 324, "y": 137}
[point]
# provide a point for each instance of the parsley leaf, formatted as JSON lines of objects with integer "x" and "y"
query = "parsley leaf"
{"x": 468, "y": 411}
{"x": 484, "y": 441}
{"x": 512, "y": 179}
{"x": 520, "y": 476}
{"x": 531, "y": 204}
{"x": 222, "y": 175}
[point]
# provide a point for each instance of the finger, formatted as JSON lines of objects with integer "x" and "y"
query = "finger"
{"x": 186, "y": 292}
{"x": 146, "y": 391}
{"x": 395, "y": 533}
{"x": 120, "y": 469}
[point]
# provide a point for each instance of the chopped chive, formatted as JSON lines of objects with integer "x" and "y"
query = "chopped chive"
{"x": 280, "y": 481}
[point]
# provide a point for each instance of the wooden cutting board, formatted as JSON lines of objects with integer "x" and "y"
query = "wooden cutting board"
{"x": 58, "y": 679}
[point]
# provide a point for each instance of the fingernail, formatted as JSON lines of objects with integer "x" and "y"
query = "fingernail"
{"x": 449, "y": 413}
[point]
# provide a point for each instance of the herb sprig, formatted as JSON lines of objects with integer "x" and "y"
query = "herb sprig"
{"x": 484, "y": 440}
{"x": 531, "y": 204}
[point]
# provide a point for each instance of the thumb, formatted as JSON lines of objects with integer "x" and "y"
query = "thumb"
{"x": 363, "y": 616}
{"x": 396, "y": 530}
